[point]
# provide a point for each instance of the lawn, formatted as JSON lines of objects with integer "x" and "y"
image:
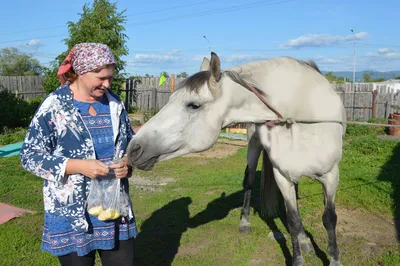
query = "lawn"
{"x": 188, "y": 209}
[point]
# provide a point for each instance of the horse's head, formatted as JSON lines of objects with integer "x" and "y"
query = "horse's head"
{"x": 191, "y": 121}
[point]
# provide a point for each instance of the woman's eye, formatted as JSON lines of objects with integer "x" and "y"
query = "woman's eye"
{"x": 193, "y": 106}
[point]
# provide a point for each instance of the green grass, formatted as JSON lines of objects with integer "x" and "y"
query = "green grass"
{"x": 194, "y": 219}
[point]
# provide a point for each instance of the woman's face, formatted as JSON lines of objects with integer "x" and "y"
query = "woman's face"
{"x": 96, "y": 83}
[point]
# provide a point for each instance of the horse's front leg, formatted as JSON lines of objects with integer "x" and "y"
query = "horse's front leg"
{"x": 253, "y": 154}
{"x": 300, "y": 242}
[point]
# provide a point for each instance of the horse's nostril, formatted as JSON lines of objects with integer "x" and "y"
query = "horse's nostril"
{"x": 135, "y": 148}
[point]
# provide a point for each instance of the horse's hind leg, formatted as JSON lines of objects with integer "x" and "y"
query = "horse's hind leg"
{"x": 300, "y": 242}
{"x": 329, "y": 183}
{"x": 253, "y": 154}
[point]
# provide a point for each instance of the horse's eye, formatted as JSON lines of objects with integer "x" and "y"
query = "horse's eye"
{"x": 193, "y": 106}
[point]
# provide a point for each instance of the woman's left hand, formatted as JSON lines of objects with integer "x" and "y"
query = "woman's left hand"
{"x": 121, "y": 169}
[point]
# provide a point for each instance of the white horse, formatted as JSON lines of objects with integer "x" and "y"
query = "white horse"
{"x": 256, "y": 93}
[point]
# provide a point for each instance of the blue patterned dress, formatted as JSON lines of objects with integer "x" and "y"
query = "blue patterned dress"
{"x": 62, "y": 128}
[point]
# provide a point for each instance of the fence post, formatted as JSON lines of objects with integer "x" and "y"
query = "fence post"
{"x": 374, "y": 94}
{"x": 153, "y": 103}
{"x": 172, "y": 83}
{"x": 127, "y": 94}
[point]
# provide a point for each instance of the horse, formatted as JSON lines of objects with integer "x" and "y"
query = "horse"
{"x": 299, "y": 119}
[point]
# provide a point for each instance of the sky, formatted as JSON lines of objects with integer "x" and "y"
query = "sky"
{"x": 174, "y": 36}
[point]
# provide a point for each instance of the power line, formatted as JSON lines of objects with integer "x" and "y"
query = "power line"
{"x": 25, "y": 31}
{"x": 134, "y": 14}
{"x": 170, "y": 8}
{"x": 216, "y": 11}
{"x": 380, "y": 45}
{"x": 44, "y": 37}
{"x": 222, "y": 10}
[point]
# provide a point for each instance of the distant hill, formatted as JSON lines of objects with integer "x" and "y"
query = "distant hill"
{"x": 359, "y": 74}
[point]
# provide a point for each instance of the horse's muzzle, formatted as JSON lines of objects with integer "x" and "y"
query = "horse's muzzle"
{"x": 137, "y": 158}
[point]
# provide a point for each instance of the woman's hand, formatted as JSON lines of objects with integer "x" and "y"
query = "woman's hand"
{"x": 121, "y": 168}
{"x": 89, "y": 167}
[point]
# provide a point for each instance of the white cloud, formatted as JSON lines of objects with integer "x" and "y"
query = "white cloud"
{"x": 243, "y": 58}
{"x": 234, "y": 59}
{"x": 384, "y": 54}
{"x": 319, "y": 59}
{"x": 318, "y": 40}
{"x": 386, "y": 50}
{"x": 169, "y": 57}
{"x": 34, "y": 43}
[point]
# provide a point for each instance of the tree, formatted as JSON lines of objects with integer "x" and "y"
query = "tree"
{"x": 398, "y": 77}
{"x": 50, "y": 78}
{"x": 182, "y": 75}
{"x": 366, "y": 77}
{"x": 378, "y": 80}
{"x": 330, "y": 77}
{"x": 101, "y": 23}
{"x": 135, "y": 77}
{"x": 14, "y": 63}
{"x": 166, "y": 75}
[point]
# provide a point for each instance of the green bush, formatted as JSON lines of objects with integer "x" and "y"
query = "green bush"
{"x": 15, "y": 112}
{"x": 12, "y": 135}
{"x": 50, "y": 80}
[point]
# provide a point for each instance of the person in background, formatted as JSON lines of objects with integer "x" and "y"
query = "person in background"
{"x": 76, "y": 131}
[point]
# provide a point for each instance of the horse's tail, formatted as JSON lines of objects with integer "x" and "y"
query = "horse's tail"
{"x": 269, "y": 189}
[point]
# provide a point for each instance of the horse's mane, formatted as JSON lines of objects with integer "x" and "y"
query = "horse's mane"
{"x": 244, "y": 82}
{"x": 311, "y": 64}
{"x": 195, "y": 81}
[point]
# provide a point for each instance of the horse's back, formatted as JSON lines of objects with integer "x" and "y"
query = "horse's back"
{"x": 296, "y": 88}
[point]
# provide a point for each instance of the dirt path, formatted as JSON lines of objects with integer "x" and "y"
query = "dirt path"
{"x": 223, "y": 148}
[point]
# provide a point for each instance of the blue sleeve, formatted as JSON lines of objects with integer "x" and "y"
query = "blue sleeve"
{"x": 40, "y": 154}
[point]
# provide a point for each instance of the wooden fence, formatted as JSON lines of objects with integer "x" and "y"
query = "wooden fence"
{"x": 26, "y": 87}
{"x": 146, "y": 95}
{"x": 360, "y": 101}
{"x": 364, "y": 101}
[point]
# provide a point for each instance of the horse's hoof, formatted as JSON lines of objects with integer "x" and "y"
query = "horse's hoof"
{"x": 335, "y": 263}
{"x": 298, "y": 262}
{"x": 245, "y": 229}
{"x": 306, "y": 246}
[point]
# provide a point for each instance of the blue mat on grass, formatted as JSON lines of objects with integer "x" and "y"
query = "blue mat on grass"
{"x": 11, "y": 149}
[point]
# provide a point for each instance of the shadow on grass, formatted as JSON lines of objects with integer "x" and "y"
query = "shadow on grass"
{"x": 159, "y": 238}
{"x": 160, "y": 235}
{"x": 390, "y": 173}
{"x": 219, "y": 208}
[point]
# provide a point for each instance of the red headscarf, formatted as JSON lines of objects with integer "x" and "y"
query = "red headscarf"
{"x": 85, "y": 57}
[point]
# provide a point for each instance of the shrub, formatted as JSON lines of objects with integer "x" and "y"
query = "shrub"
{"x": 16, "y": 112}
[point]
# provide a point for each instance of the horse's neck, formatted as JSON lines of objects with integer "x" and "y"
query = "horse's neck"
{"x": 244, "y": 105}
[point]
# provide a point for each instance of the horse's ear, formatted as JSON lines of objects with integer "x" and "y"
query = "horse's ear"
{"x": 205, "y": 65}
{"x": 215, "y": 67}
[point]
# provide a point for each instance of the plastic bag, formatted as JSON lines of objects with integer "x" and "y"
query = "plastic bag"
{"x": 107, "y": 200}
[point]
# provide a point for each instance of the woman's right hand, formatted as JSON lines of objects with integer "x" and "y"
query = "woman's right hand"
{"x": 89, "y": 167}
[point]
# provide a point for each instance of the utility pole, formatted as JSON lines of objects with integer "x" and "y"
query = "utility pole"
{"x": 354, "y": 70}
{"x": 209, "y": 48}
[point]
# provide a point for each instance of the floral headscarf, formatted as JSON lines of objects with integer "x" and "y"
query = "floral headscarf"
{"x": 85, "y": 57}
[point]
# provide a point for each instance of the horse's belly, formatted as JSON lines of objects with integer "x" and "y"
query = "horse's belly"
{"x": 303, "y": 149}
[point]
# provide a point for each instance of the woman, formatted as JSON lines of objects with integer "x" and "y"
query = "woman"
{"x": 76, "y": 131}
